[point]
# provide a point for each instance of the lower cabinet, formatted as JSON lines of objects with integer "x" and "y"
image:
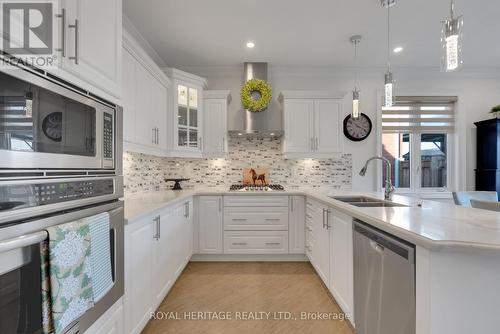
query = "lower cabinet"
{"x": 255, "y": 242}
{"x": 210, "y": 235}
{"x": 296, "y": 225}
{"x": 320, "y": 240}
{"x": 157, "y": 248}
{"x": 341, "y": 260}
{"x": 330, "y": 250}
{"x": 110, "y": 322}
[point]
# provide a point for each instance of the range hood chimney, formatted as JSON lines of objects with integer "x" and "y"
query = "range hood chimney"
{"x": 257, "y": 124}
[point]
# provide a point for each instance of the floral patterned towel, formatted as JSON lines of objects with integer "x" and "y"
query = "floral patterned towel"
{"x": 70, "y": 272}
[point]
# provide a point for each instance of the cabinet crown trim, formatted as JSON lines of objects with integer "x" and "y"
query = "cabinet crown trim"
{"x": 310, "y": 94}
{"x": 130, "y": 44}
{"x": 179, "y": 75}
{"x": 217, "y": 94}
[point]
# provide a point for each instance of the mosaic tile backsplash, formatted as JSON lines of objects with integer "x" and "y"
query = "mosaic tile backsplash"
{"x": 146, "y": 172}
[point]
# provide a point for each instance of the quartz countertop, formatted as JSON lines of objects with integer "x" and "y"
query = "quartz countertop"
{"x": 430, "y": 224}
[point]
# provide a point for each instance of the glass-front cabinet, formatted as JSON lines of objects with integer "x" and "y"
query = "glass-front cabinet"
{"x": 188, "y": 120}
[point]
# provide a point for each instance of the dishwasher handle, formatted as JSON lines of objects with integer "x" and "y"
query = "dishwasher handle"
{"x": 381, "y": 241}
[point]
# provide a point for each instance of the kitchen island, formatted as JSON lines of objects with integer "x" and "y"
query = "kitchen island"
{"x": 457, "y": 257}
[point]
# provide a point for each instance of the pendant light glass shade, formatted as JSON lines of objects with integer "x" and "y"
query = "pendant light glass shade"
{"x": 355, "y": 104}
{"x": 389, "y": 90}
{"x": 451, "y": 42}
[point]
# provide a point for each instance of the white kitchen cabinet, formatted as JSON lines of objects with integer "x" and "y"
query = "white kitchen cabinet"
{"x": 327, "y": 126}
{"x": 163, "y": 255}
{"x": 111, "y": 322}
{"x": 255, "y": 242}
{"x": 312, "y": 124}
{"x": 145, "y": 107}
{"x": 341, "y": 260}
{"x": 138, "y": 274}
{"x": 210, "y": 230}
{"x": 296, "y": 225}
{"x": 186, "y": 114}
{"x": 298, "y": 126}
{"x": 157, "y": 248}
{"x": 215, "y": 123}
{"x": 321, "y": 240}
{"x": 90, "y": 36}
{"x": 256, "y": 218}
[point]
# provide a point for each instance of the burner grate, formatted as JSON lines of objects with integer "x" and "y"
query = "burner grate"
{"x": 267, "y": 187}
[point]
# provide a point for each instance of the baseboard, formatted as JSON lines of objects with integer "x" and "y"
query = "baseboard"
{"x": 249, "y": 258}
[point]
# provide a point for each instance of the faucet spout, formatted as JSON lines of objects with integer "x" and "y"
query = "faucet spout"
{"x": 389, "y": 188}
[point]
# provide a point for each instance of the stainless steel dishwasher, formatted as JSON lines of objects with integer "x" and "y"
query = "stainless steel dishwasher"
{"x": 384, "y": 282}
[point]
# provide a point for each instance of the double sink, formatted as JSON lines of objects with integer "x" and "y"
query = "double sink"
{"x": 366, "y": 202}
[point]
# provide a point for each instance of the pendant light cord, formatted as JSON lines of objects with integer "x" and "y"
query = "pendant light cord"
{"x": 388, "y": 36}
{"x": 356, "y": 65}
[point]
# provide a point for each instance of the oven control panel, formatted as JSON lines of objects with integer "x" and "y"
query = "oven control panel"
{"x": 20, "y": 196}
{"x": 108, "y": 136}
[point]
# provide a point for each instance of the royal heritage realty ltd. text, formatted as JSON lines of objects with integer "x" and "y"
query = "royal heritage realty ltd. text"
{"x": 247, "y": 315}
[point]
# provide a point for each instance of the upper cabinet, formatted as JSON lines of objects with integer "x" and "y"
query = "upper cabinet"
{"x": 187, "y": 114}
{"x": 312, "y": 122}
{"x": 215, "y": 122}
{"x": 90, "y": 50}
{"x": 145, "y": 102}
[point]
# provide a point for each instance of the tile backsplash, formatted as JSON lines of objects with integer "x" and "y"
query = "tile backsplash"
{"x": 146, "y": 172}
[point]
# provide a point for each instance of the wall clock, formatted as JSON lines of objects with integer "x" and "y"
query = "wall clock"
{"x": 357, "y": 129}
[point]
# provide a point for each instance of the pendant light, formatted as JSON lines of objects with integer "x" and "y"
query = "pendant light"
{"x": 389, "y": 82}
{"x": 451, "y": 41}
{"x": 356, "y": 39}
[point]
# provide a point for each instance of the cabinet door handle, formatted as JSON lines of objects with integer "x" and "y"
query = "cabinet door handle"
{"x": 156, "y": 220}
{"x": 291, "y": 203}
{"x": 153, "y": 136}
{"x": 324, "y": 221}
{"x": 239, "y": 243}
{"x": 62, "y": 16}
{"x": 272, "y": 243}
{"x": 186, "y": 209}
{"x": 239, "y": 219}
{"x": 327, "y": 219}
{"x": 220, "y": 204}
{"x": 76, "y": 58}
{"x": 157, "y": 136}
{"x": 272, "y": 219}
{"x": 317, "y": 143}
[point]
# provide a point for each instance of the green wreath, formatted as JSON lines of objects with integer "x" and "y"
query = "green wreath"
{"x": 259, "y": 86}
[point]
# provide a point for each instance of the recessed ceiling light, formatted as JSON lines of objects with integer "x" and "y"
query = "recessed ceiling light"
{"x": 250, "y": 45}
{"x": 240, "y": 134}
{"x": 398, "y": 49}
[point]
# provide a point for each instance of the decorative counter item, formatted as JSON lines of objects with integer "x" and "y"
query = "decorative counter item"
{"x": 495, "y": 111}
{"x": 177, "y": 184}
{"x": 256, "y": 95}
{"x": 255, "y": 176}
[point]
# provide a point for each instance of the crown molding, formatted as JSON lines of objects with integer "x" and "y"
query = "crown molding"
{"x": 130, "y": 28}
{"x": 176, "y": 74}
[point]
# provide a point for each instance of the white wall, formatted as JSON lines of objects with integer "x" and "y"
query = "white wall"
{"x": 477, "y": 90}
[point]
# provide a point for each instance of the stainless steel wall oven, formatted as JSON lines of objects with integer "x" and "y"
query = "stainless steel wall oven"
{"x": 60, "y": 161}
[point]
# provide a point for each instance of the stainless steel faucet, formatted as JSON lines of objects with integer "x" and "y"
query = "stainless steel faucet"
{"x": 389, "y": 188}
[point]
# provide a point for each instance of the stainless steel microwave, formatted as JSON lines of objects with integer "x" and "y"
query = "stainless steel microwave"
{"x": 45, "y": 124}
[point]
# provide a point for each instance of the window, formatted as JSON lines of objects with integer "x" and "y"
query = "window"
{"x": 417, "y": 133}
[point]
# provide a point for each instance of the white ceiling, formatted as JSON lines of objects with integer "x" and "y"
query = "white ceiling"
{"x": 311, "y": 32}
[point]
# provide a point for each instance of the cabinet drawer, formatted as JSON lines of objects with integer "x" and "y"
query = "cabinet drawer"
{"x": 256, "y": 219}
{"x": 255, "y": 242}
{"x": 255, "y": 200}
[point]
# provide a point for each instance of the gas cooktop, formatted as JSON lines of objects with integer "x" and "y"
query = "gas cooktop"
{"x": 266, "y": 187}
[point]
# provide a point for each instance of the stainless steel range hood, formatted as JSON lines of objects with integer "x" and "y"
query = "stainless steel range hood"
{"x": 263, "y": 123}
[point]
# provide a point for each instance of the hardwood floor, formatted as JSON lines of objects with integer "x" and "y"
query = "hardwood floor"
{"x": 237, "y": 287}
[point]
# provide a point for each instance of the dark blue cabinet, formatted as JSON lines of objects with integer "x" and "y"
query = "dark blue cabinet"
{"x": 488, "y": 155}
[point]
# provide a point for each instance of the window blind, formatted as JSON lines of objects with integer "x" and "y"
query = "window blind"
{"x": 420, "y": 114}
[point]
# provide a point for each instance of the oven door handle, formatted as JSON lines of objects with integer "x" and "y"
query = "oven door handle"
{"x": 23, "y": 241}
